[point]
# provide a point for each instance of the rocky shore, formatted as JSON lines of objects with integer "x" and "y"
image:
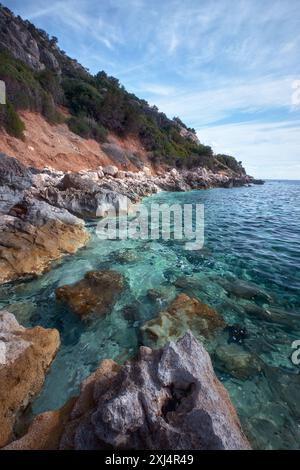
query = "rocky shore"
{"x": 166, "y": 398}
{"x": 42, "y": 213}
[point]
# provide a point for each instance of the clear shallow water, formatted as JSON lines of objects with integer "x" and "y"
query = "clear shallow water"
{"x": 251, "y": 235}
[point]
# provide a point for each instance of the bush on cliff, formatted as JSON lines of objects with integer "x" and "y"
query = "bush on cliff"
{"x": 13, "y": 123}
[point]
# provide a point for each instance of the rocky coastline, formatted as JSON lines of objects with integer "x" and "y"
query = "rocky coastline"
{"x": 42, "y": 218}
{"x": 42, "y": 213}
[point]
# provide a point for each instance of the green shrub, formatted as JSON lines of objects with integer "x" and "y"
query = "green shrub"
{"x": 79, "y": 126}
{"x": 13, "y": 123}
{"x": 87, "y": 128}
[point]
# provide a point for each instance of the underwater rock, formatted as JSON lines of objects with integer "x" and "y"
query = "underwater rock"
{"x": 237, "y": 333}
{"x": 126, "y": 256}
{"x": 160, "y": 294}
{"x": 236, "y": 361}
{"x": 165, "y": 399}
{"x": 245, "y": 290}
{"x": 183, "y": 314}
{"x": 26, "y": 355}
{"x": 96, "y": 293}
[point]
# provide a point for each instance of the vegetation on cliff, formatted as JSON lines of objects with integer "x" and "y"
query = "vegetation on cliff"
{"x": 40, "y": 77}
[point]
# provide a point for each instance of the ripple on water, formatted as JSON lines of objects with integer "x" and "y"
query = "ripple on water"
{"x": 252, "y": 236}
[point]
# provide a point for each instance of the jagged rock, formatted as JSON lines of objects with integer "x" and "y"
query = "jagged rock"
{"x": 110, "y": 170}
{"x": 165, "y": 399}
{"x": 28, "y": 249}
{"x": 76, "y": 181}
{"x": 26, "y": 356}
{"x": 90, "y": 202}
{"x": 13, "y": 173}
{"x": 96, "y": 293}
{"x": 183, "y": 314}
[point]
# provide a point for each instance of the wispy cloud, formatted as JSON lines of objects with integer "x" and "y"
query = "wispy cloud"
{"x": 268, "y": 150}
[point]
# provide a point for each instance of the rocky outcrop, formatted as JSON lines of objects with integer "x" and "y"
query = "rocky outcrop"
{"x": 41, "y": 211}
{"x": 33, "y": 232}
{"x": 183, "y": 314}
{"x": 165, "y": 399}
{"x": 31, "y": 240}
{"x": 95, "y": 294}
{"x": 16, "y": 37}
{"x": 25, "y": 356}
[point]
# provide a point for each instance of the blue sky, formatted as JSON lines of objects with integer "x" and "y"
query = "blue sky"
{"x": 226, "y": 67}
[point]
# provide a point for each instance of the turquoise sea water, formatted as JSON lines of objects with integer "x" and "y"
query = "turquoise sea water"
{"x": 252, "y": 241}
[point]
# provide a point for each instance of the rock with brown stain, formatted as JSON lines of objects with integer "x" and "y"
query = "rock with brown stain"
{"x": 96, "y": 293}
{"x": 168, "y": 398}
{"x": 27, "y": 249}
{"x": 45, "y": 431}
{"x": 184, "y": 314}
{"x": 26, "y": 355}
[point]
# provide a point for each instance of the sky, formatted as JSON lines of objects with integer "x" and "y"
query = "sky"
{"x": 228, "y": 68}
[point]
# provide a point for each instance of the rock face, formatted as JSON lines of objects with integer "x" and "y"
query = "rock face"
{"x": 16, "y": 37}
{"x": 32, "y": 232}
{"x": 183, "y": 314}
{"x": 165, "y": 399}
{"x": 28, "y": 249}
{"x": 95, "y": 294}
{"x": 26, "y": 355}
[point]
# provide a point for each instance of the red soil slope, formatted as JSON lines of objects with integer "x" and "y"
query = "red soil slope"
{"x": 57, "y": 147}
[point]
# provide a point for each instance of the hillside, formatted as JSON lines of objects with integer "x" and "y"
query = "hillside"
{"x": 47, "y": 88}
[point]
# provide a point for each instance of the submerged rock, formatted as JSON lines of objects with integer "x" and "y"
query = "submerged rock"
{"x": 183, "y": 314}
{"x": 237, "y": 362}
{"x": 165, "y": 399}
{"x": 96, "y": 293}
{"x": 25, "y": 356}
{"x": 245, "y": 290}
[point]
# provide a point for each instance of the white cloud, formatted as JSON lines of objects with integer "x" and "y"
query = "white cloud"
{"x": 268, "y": 150}
{"x": 157, "y": 89}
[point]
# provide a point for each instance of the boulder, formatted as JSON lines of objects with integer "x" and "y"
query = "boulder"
{"x": 96, "y": 293}
{"x": 183, "y": 314}
{"x": 147, "y": 171}
{"x": 26, "y": 355}
{"x": 27, "y": 249}
{"x": 168, "y": 398}
{"x": 110, "y": 170}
